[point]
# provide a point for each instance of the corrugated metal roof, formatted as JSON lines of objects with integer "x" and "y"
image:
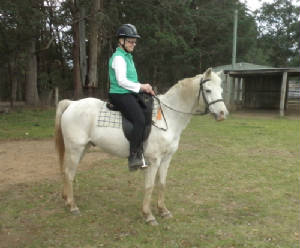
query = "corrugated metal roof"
{"x": 242, "y": 66}
{"x": 293, "y": 72}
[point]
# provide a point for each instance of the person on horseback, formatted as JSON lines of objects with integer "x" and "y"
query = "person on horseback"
{"x": 124, "y": 89}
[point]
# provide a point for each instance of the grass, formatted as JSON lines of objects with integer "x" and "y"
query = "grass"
{"x": 27, "y": 124}
{"x": 231, "y": 184}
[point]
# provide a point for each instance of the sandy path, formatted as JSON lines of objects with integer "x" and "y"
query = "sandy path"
{"x": 34, "y": 160}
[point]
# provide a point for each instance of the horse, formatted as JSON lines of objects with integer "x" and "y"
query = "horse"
{"x": 76, "y": 130}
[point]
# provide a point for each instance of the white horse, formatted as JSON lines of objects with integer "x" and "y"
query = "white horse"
{"x": 76, "y": 129}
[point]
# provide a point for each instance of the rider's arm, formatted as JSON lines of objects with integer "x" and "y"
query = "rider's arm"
{"x": 119, "y": 65}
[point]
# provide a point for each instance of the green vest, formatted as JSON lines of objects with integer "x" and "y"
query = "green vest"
{"x": 131, "y": 73}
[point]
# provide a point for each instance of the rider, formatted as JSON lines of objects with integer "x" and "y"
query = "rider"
{"x": 124, "y": 87}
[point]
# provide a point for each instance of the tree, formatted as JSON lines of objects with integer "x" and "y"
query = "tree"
{"x": 183, "y": 38}
{"x": 279, "y": 32}
{"x": 31, "y": 92}
{"x": 179, "y": 39}
{"x": 19, "y": 26}
{"x": 94, "y": 38}
{"x": 7, "y": 33}
{"x": 75, "y": 10}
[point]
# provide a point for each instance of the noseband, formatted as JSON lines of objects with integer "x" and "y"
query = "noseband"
{"x": 207, "y": 104}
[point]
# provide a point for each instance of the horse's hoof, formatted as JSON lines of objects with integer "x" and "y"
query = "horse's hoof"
{"x": 152, "y": 223}
{"x": 64, "y": 196}
{"x": 75, "y": 211}
{"x": 166, "y": 215}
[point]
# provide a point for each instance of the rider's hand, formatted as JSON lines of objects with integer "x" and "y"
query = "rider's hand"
{"x": 147, "y": 88}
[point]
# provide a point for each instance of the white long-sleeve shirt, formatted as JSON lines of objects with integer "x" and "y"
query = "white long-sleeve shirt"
{"x": 119, "y": 65}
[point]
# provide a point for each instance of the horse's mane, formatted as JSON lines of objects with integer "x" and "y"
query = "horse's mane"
{"x": 186, "y": 85}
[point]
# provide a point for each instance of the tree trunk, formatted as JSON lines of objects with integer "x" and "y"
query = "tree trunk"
{"x": 13, "y": 81}
{"x": 60, "y": 52}
{"x": 76, "y": 53}
{"x": 82, "y": 48}
{"x": 93, "y": 45}
{"x": 31, "y": 92}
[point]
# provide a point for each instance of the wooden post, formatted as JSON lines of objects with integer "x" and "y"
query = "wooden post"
{"x": 283, "y": 93}
{"x": 227, "y": 100}
{"x": 234, "y": 95}
{"x": 238, "y": 96}
{"x": 243, "y": 91}
{"x": 56, "y": 96}
{"x": 233, "y": 91}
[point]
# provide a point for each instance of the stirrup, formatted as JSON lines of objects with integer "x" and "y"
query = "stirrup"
{"x": 144, "y": 166}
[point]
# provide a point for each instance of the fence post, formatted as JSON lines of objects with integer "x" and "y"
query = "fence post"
{"x": 238, "y": 92}
{"x": 233, "y": 91}
{"x": 283, "y": 93}
{"x": 227, "y": 95}
{"x": 56, "y": 92}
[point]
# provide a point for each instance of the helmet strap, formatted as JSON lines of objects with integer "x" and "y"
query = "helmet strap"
{"x": 123, "y": 45}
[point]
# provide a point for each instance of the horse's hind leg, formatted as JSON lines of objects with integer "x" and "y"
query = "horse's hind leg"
{"x": 72, "y": 158}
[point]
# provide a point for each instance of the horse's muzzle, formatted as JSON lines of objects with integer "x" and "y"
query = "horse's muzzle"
{"x": 221, "y": 116}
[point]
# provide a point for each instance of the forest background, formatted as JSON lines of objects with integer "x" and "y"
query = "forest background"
{"x": 67, "y": 43}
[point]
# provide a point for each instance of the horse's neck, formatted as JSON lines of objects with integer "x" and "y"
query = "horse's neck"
{"x": 183, "y": 95}
{"x": 182, "y": 98}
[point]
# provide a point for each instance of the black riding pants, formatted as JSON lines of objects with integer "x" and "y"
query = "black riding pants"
{"x": 130, "y": 108}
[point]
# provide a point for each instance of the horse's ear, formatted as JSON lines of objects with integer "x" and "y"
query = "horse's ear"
{"x": 207, "y": 73}
{"x": 219, "y": 73}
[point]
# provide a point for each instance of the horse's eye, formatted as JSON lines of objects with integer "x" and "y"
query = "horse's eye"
{"x": 208, "y": 91}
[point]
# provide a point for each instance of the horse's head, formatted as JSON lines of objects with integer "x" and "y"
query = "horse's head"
{"x": 211, "y": 93}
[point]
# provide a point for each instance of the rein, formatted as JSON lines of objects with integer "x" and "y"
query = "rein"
{"x": 207, "y": 104}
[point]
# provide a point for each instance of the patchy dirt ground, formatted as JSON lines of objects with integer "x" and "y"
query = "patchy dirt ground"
{"x": 34, "y": 160}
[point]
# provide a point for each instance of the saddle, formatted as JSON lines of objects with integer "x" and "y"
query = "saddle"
{"x": 146, "y": 102}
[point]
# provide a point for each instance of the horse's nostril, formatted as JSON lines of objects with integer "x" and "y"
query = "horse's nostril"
{"x": 222, "y": 112}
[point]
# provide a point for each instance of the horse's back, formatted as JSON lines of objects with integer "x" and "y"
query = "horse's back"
{"x": 84, "y": 105}
{"x": 89, "y": 101}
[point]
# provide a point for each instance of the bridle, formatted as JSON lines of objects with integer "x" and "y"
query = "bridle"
{"x": 207, "y": 104}
{"x": 201, "y": 92}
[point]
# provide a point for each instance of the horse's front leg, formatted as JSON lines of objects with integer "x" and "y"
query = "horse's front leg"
{"x": 150, "y": 174}
{"x": 163, "y": 170}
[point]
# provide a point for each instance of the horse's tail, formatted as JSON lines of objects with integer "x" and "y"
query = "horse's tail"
{"x": 59, "y": 140}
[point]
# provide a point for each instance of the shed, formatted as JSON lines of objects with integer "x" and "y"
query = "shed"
{"x": 260, "y": 87}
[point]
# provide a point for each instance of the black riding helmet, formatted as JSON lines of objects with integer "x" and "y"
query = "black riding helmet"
{"x": 127, "y": 31}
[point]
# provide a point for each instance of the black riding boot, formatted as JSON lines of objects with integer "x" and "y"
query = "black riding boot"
{"x": 135, "y": 160}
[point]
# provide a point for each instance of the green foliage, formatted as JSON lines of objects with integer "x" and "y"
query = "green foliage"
{"x": 179, "y": 38}
{"x": 191, "y": 36}
{"x": 279, "y": 32}
{"x": 20, "y": 22}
